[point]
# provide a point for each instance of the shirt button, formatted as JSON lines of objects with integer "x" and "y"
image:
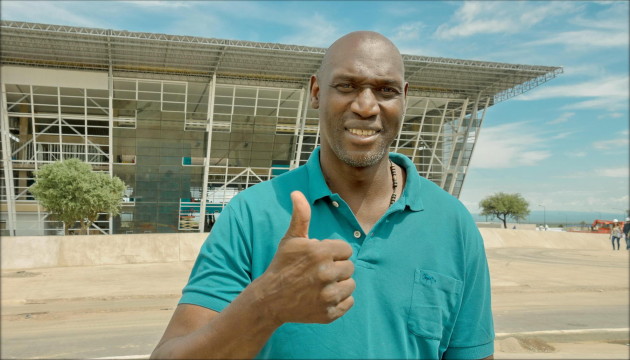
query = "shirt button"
{"x": 357, "y": 234}
{"x": 335, "y": 204}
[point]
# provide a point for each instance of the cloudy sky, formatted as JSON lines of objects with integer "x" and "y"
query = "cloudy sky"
{"x": 563, "y": 145}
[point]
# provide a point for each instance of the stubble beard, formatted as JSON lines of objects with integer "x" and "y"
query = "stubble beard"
{"x": 367, "y": 159}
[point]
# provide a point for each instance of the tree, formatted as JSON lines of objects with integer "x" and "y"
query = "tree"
{"x": 72, "y": 192}
{"x": 504, "y": 205}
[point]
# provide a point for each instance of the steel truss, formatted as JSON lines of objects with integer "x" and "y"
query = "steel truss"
{"x": 245, "y": 104}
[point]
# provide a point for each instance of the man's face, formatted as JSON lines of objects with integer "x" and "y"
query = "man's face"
{"x": 360, "y": 92}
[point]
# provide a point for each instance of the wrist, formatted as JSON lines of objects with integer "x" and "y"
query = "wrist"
{"x": 263, "y": 304}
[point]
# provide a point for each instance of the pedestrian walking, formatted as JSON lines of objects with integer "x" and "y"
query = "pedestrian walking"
{"x": 615, "y": 233}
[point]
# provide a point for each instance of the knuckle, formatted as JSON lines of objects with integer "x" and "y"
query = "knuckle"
{"x": 317, "y": 252}
{"x": 329, "y": 295}
{"x": 332, "y": 314}
{"x": 325, "y": 275}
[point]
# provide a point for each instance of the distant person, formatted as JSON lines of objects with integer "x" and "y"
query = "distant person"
{"x": 626, "y": 232}
{"x": 615, "y": 233}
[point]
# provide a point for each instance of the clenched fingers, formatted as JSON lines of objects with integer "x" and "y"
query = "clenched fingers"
{"x": 335, "y": 312}
{"x": 338, "y": 249}
{"x": 343, "y": 269}
{"x": 337, "y": 292}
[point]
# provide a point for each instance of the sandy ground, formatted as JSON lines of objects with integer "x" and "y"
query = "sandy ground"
{"x": 548, "y": 304}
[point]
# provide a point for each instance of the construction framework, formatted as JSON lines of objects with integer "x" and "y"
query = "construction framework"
{"x": 187, "y": 122}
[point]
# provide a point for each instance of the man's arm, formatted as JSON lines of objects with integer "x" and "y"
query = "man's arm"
{"x": 195, "y": 332}
{"x": 308, "y": 281}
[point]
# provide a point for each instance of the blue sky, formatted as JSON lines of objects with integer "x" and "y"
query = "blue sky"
{"x": 563, "y": 145}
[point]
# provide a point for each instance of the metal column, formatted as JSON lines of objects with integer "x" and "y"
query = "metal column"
{"x": 298, "y": 151}
{"x": 483, "y": 116}
{"x": 7, "y": 164}
{"x": 110, "y": 85}
{"x": 206, "y": 160}
{"x": 299, "y": 121}
{"x": 437, "y": 141}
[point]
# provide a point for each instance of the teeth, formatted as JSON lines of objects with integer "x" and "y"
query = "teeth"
{"x": 362, "y": 132}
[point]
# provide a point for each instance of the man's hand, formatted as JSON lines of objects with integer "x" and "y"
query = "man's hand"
{"x": 308, "y": 280}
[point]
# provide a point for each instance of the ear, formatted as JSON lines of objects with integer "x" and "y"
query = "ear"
{"x": 314, "y": 88}
{"x": 406, "y": 88}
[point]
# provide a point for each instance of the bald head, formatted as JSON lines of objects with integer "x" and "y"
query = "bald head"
{"x": 361, "y": 44}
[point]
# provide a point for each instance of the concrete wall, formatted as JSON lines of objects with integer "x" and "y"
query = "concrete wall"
{"x": 21, "y": 252}
{"x": 24, "y": 252}
{"x": 496, "y": 225}
{"x": 494, "y": 238}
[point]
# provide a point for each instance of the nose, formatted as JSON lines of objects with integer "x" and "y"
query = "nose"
{"x": 365, "y": 104}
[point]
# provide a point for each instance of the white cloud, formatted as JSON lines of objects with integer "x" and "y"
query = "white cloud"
{"x": 585, "y": 39}
{"x": 408, "y": 32}
{"x": 620, "y": 172}
{"x": 615, "y": 86}
{"x": 613, "y": 16}
{"x": 612, "y": 144}
{"x": 316, "y": 31}
{"x": 610, "y": 93}
{"x": 561, "y": 135}
{"x": 492, "y": 17}
{"x": 614, "y": 115}
{"x": 562, "y": 118}
{"x": 599, "y": 103}
{"x": 508, "y": 146}
{"x": 160, "y": 4}
{"x": 51, "y": 12}
{"x": 578, "y": 154}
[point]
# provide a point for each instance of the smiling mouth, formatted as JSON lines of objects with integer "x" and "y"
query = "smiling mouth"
{"x": 362, "y": 132}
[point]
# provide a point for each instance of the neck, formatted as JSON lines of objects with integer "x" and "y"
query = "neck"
{"x": 367, "y": 191}
{"x": 357, "y": 186}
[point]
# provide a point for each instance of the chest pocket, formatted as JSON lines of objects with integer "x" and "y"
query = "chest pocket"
{"x": 435, "y": 299}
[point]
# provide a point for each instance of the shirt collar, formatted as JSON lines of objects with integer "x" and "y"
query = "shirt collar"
{"x": 411, "y": 194}
{"x": 318, "y": 189}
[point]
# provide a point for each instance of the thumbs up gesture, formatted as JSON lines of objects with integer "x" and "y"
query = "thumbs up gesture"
{"x": 308, "y": 280}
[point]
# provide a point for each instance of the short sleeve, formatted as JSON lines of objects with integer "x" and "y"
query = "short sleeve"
{"x": 223, "y": 268}
{"x": 473, "y": 333}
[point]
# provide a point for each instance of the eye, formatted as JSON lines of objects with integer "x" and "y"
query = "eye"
{"x": 389, "y": 91}
{"x": 345, "y": 87}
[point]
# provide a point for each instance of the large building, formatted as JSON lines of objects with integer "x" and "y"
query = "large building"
{"x": 187, "y": 122}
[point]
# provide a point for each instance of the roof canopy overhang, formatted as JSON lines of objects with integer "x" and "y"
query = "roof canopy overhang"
{"x": 189, "y": 57}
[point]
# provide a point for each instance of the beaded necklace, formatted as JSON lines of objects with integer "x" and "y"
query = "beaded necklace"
{"x": 392, "y": 168}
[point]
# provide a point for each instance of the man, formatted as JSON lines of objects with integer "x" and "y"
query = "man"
{"x": 353, "y": 255}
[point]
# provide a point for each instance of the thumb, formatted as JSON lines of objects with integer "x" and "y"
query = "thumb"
{"x": 300, "y": 218}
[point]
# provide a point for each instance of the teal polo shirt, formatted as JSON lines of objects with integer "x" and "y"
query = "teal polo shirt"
{"x": 422, "y": 281}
